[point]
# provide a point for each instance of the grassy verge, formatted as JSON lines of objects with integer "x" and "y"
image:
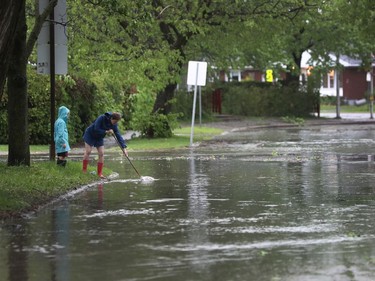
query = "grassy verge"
{"x": 33, "y": 148}
{"x": 181, "y": 138}
{"x": 25, "y": 188}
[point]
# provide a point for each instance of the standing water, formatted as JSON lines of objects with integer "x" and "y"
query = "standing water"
{"x": 291, "y": 204}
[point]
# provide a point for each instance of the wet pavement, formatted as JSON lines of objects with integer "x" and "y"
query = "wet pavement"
{"x": 287, "y": 203}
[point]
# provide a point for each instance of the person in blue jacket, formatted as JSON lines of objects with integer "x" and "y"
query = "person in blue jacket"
{"x": 105, "y": 124}
{"x": 61, "y": 136}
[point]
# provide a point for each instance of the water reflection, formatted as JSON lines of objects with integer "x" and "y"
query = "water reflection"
{"x": 17, "y": 256}
{"x": 100, "y": 196}
{"x": 60, "y": 235}
{"x": 198, "y": 215}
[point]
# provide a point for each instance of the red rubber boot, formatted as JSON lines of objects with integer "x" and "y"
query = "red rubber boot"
{"x": 100, "y": 170}
{"x": 84, "y": 165}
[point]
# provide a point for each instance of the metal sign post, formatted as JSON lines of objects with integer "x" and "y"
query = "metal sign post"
{"x": 197, "y": 72}
{"x": 52, "y": 55}
{"x": 194, "y": 104}
{"x": 369, "y": 79}
{"x": 200, "y": 106}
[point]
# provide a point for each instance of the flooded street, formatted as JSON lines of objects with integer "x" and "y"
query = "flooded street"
{"x": 271, "y": 204}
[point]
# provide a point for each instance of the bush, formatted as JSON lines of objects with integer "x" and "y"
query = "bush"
{"x": 157, "y": 125}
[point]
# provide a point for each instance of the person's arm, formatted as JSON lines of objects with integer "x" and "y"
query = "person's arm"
{"x": 99, "y": 125}
{"x": 119, "y": 137}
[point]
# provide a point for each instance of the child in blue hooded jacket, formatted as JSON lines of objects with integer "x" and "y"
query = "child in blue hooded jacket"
{"x": 105, "y": 124}
{"x": 61, "y": 136}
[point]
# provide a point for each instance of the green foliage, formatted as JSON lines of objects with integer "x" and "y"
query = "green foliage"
{"x": 147, "y": 123}
{"x": 39, "y": 107}
{"x": 294, "y": 120}
{"x": 328, "y": 100}
{"x": 183, "y": 104}
{"x": 156, "y": 125}
{"x": 247, "y": 100}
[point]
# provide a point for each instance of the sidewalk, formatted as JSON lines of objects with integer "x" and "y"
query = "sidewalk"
{"x": 352, "y": 116}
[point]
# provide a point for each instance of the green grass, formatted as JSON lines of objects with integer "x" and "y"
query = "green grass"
{"x": 157, "y": 144}
{"x": 24, "y": 188}
{"x": 33, "y": 148}
{"x": 180, "y": 139}
{"x": 198, "y": 131}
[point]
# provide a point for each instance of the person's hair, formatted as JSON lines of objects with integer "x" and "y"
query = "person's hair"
{"x": 116, "y": 116}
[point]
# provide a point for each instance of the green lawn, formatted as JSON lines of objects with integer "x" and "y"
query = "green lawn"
{"x": 33, "y": 148}
{"x": 180, "y": 139}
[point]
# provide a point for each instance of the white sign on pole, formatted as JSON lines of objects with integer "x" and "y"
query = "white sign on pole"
{"x": 61, "y": 40}
{"x": 197, "y": 72}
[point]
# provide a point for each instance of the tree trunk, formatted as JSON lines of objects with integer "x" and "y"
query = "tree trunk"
{"x": 163, "y": 106}
{"x": 292, "y": 76}
{"x": 19, "y": 151}
{"x": 9, "y": 15}
{"x": 162, "y": 103}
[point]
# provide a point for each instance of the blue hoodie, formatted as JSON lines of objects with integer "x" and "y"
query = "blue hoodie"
{"x": 61, "y": 135}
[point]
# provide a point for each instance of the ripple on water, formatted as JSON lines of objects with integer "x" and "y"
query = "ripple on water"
{"x": 287, "y": 229}
{"x": 267, "y": 245}
{"x": 121, "y": 212}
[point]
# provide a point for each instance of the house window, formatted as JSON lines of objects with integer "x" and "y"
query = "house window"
{"x": 329, "y": 80}
{"x": 235, "y": 75}
{"x": 325, "y": 81}
{"x": 331, "y": 76}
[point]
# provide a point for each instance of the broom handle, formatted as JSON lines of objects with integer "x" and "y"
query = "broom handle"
{"x": 126, "y": 155}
